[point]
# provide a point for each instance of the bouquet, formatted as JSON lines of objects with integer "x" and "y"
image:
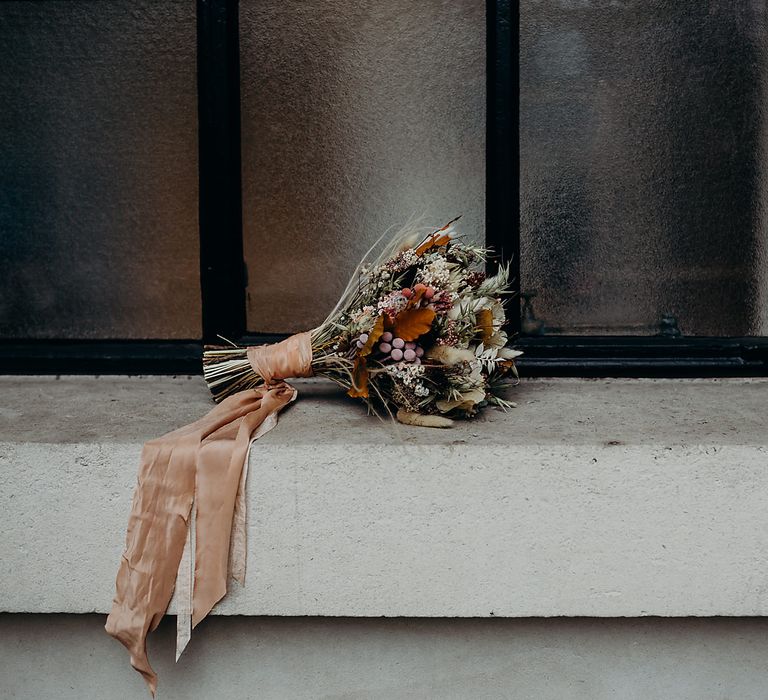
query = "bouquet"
{"x": 418, "y": 333}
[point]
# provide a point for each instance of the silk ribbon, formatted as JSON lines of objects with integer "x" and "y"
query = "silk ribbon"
{"x": 187, "y": 523}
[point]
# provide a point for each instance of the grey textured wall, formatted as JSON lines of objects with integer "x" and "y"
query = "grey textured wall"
{"x": 355, "y": 116}
{"x": 98, "y": 170}
{"x": 69, "y": 657}
{"x": 643, "y": 188}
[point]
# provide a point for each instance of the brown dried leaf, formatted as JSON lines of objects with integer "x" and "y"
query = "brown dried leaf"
{"x": 373, "y": 337}
{"x": 412, "y": 323}
{"x": 434, "y": 240}
{"x": 437, "y": 238}
{"x": 485, "y": 324}
{"x": 359, "y": 388}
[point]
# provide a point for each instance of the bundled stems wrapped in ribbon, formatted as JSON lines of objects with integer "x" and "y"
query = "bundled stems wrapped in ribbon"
{"x": 418, "y": 333}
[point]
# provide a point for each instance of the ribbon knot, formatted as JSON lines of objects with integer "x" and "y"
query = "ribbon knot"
{"x": 290, "y": 358}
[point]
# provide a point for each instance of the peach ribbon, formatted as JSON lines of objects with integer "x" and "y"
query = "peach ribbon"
{"x": 187, "y": 521}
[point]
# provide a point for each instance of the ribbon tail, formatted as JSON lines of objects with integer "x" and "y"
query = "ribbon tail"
{"x": 238, "y": 543}
{"x": 221, "y": 512}
{"x": 184, "y": 590}
{"x": 144, "y": 585}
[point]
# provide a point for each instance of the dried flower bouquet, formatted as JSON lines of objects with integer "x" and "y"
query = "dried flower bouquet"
{"x": 418, "y": 332}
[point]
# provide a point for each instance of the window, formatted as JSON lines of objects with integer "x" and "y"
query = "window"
{"x": 98, "y": 184}
{"x": 643, "y": 234}
{"x": 172, "y": 170}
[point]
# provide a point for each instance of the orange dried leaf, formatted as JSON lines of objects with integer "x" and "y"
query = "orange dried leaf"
{"x": 437, "y": 238}
{"x": 412, "y": 323}
{"x": 485, "y": 324}
{"x": 373, "y": 337}
{"x": 359, "y": 388}
{"x": 426, "y": 245}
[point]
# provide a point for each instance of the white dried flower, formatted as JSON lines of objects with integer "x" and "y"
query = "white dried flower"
{"x": 498, "y": 338}
{"x": 436, "y": 272}
{"x": 449, "y": 355}
{"x": 467, "y": 401}
{"x": 409, "y": 373}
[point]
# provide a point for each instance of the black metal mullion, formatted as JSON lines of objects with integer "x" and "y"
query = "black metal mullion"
{"x": 624, "y": 356}
{"x": 100, "y": 357}
{"x": 222, "y": 266}
{"x": 502, "y": 147}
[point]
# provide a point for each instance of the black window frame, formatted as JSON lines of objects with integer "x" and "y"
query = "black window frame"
{"x": 223, "y": 273}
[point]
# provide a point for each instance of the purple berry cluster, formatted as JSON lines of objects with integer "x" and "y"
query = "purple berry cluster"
{"x": 395, "y": 349}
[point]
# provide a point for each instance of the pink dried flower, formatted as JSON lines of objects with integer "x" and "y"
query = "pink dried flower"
{"x": 442, "y": 302}
{"x": 475, "y": 278}
{"x": 393, "y": 303}
{"x": 450, "y": 335}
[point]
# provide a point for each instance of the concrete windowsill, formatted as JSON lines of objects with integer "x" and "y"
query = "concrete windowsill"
{"x": 593, "y": 497}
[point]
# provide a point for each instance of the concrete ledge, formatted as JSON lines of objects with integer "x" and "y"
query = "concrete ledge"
{"x": 598, "y": 498}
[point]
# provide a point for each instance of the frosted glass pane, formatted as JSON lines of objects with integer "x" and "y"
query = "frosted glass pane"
{"x": 643, "y": 142}
{"x": 98, "y": 170}
{"x": 355, "y": 116}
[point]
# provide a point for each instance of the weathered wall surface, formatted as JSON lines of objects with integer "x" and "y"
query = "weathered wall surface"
{"x": 69, "y": 657}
